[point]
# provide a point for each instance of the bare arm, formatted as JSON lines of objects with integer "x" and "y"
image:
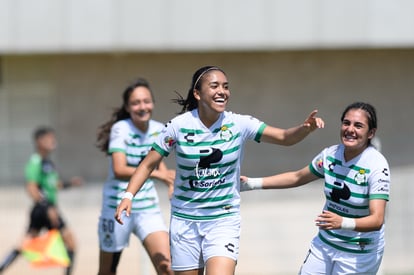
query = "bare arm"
{"x": 375, "y": 219}
{"x": 292, "y": 135}
{"x": 140, "y": 175}
{"x": 279, "y": 181}
{"x": 125, "y": 172}
{"x": 33, "y": 191}
{"x": 289, "y": 179}
{"x": 120, "y": 166}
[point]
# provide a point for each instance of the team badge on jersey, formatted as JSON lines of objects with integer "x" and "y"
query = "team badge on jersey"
{"x": 360, "y": 177}
{"x": 225, "y": 133}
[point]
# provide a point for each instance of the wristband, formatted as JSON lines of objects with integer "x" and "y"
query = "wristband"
{"x": 251, "y": 184}
{"x": 128, "y": 195}
{"x": 348, "y": 223}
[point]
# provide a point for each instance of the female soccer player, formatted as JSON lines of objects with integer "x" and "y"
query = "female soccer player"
{"x": 126, "y": 138}
{"x": 357, "y": 186}
{"x": 208, "y": 143}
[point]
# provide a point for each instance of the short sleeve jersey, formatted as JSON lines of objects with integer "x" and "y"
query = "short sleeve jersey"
{"x": 208, "y": 161}
{"x": 135, "y": 144}
{"x": 43, "y": 173}
{"x": 349, "y": 186}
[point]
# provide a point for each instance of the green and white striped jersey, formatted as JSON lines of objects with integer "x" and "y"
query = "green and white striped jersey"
{"x": 207, "y": 183}
{"x": 349, "y": 186}
{"x": 126, "y": 138}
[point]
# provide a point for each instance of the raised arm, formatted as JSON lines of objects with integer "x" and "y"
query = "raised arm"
{"x": 293, "y": 135}
{"x": 143, "y": 171}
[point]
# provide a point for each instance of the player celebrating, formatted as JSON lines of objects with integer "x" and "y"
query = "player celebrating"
{"x": 357, "y": 185}
{"x": 208, "y": 143}
{"x": 126, "y": 138}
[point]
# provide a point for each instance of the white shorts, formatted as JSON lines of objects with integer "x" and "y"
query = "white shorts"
{"x": 194, "y": 242}
{"x": 113, "y": 237}
{"x": 323, "y": 259}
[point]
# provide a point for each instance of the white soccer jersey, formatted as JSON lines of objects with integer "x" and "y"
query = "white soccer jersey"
{"x": 349, "y": 186}
{"x": 126, "y": 138}
{"x": 208, "y": 161}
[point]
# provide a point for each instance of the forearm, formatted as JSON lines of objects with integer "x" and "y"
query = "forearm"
{"x": 278, "y": 181}
{"x": 33, "y": 192}
{"x": 272, "y": 182}
{"x": 295, "y": 135}
{"x": 292, "y": 135}
{"x": 369, "y": 223}
{"x": 124, "y": 172}
{"x": 375, "y": 219}
{"x": 138, "y": 178}
{"x": 285, "y": 137}
{"x": 373, "y": 222}
{"x": 282, "y": 181}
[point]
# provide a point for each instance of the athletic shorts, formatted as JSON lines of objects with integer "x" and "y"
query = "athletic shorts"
{"x": 114, "y": 237}
{"x": 323, "y": 259}
{"x": 39, "y": 218}
{"x": 194, "y": 242}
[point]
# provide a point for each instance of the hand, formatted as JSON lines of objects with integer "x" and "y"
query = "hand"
{"x": 247, "y": 184}
{"x": 124, "y": 205}
{"x": 313, "y": 122}
{"x": 328, "y": 220}
{"x": 244, "y": 186}
{"x": 53, "y": 215}
{"x": 168, "y": 179}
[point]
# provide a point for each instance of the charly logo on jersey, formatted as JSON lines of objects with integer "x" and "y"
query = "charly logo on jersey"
{"x": 225, "y": 133}
{"x": 360, "y": 177}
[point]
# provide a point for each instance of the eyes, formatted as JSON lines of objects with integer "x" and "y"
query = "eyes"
{"x": 138, "y": 102}
{"x": 357, "y": 125}
{"x": 215, "y": 85}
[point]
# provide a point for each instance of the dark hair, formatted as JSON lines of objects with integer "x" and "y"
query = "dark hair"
{"x": 369, "y": 109}
{"x": 190, "y": 103}
{"x": 102, "y": 140}
{"x": 42, "y": 131}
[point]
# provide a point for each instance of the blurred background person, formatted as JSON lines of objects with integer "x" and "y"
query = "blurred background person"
{"x": 127, "y": 138}
{"x": 42, "y": 184}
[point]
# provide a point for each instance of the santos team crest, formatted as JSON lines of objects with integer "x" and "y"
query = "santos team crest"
{"x": 360, "y": 177}
{"x": 225, "y": 133}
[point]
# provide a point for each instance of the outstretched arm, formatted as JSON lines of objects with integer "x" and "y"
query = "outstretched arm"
{"x": 279, "y": 181}
{"x": 293, "y": 135}
{"x": 143, "y": 171}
